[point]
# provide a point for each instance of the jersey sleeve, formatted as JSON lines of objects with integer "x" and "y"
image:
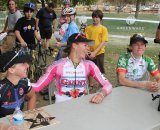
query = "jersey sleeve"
{"x": 151, "y": 67}
{"x": 99, "y": 77}
{"x": 26, "y": 85}
{"x": 122, "y": 64}
{"x": 45, "y": 79}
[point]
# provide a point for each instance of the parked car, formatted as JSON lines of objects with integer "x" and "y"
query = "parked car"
{"x": 93, "y": 7}
{"x": 106, "y": 8}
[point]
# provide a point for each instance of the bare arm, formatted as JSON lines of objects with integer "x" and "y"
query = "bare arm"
{"x": 37, "y": 35}
{"x": 157, "y": 34}
{"x": 99, "y": 47}
{"x": 32, "y": 100}
{"x": 37, "y": 23}
{"x": 149, "y": 85}
{"x": 20, "y": 39}
{"x": 93, "y": 54}
{"x": 54, "y": 23}
{"x": 7, "y": 127}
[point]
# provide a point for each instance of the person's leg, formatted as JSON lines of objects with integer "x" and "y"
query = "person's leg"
{"x": 42, "y": 34}
{"x": 48, "y": 35}
{"x": 100, "y": 63}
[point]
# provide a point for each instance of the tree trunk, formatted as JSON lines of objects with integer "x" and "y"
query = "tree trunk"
{"x": 137, "y": 8}
{"x": 43, "y": 3}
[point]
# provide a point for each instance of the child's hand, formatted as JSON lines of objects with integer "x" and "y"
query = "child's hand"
{"x": 91, "y": 55}
{"x": 23, "y": 44}
{"x": 58, "y": 44}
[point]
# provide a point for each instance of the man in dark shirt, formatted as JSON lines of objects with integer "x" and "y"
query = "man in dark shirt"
{"x": 45, "y": 23}
{"x": 157, "y": 37}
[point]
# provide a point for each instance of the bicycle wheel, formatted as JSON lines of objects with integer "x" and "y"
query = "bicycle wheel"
{"x": 33, "y": 66}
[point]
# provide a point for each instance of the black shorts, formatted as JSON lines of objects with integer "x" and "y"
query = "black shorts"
{"x": 159, "y": 26}
{"x": 46, "y": 33}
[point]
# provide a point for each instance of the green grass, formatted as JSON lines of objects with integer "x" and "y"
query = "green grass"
{"x": 120, "y": 27}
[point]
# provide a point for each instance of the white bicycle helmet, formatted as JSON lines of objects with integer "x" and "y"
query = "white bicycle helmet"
{"x": 65, "y": 2}
{"x": 69, "y": 10}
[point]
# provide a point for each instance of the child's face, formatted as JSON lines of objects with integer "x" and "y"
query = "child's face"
{"x": 66, "y": 5}
{"x": 68, "y": 18}
{"x": 28, "y": 14}
{"x": 96, "y": 20}
{"x": 21, "y": 70}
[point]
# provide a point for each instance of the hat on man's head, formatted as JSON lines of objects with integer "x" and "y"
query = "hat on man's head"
{"x": 137, "y": 37}
{"x": 10, "y": 58}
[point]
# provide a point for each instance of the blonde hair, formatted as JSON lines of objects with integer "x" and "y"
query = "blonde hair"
{"x": 3, "y": 75}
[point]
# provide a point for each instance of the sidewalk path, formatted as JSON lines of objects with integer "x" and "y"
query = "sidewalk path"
{"x": 128, "y": 37}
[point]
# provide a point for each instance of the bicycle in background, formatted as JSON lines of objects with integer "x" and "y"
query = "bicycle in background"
{"x": 39, "y": 60}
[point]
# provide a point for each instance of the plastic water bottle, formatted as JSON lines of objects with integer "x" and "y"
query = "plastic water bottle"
{"x": 18, "y": 118}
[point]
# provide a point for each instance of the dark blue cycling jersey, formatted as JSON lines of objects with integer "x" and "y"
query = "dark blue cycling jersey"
{"x": 12, "y": 96}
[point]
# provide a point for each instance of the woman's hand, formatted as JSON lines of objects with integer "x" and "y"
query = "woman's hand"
{"x": 152, "y": 86}
{"x": 98, "y": 98}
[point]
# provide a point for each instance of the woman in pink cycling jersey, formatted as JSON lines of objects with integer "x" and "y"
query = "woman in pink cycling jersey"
{"x": 71, "y": 73}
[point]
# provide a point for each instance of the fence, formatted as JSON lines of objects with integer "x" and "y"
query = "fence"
{"x": 116, "y": 25}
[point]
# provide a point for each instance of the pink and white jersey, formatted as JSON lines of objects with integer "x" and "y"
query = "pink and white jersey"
{"x": 71, "y": 82}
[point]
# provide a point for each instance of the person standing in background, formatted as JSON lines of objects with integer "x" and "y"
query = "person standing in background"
{"x": 45, "y": 23}
{"x": 99, "y": 34}
{"x": 157, "y": 37}
{"x": 12, "y": 18}
{"x": 70, "y": 14}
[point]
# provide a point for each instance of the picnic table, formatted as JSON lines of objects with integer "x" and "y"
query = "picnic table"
{"x": 124, "y": 109}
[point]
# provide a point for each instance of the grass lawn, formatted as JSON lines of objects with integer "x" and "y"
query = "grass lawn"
{"x": 120, "y": 27}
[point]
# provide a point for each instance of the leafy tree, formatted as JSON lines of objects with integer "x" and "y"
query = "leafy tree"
{"x": 121, "y": 4}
